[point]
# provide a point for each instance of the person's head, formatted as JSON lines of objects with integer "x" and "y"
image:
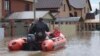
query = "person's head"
{"x": 40, "y": 19}
{"x": 56, "y": 27}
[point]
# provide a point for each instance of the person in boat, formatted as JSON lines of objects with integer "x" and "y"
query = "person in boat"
{"x": 55, "y": 33}
{"x": 37, "y": 34}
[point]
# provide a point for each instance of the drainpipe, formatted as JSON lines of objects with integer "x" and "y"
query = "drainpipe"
{"x": 12, "y": 27}
{"x": 34, "y": 9}
{"x": 99, "y": 11}
{"x": 81, "y": 13}
{"x": 82, "y": 22}
{"x": 11, "y": 20}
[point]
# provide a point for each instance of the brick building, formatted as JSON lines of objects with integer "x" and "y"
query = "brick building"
{"x": 9, "y": 6}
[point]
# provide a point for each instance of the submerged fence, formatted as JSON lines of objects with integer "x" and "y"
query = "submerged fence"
{"x": 20, "y": 29}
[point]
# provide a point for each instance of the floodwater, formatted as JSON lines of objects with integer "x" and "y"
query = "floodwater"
{"x": 80, "y": 44}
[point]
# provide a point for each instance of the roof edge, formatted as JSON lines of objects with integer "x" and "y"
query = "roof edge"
{"x": 72, "y": 5}
{"x": 90, "y": 5}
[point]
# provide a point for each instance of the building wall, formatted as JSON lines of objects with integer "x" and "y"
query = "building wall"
{"x": 83, "y": 13}
{"x": 87, "y": 7}
{"x": 16, "y": 6}
{"x": 19, "y": 6}
{"x": 80, "y": 12}
{"x": 63, "y": 10}
{"x": 0, "y": 8}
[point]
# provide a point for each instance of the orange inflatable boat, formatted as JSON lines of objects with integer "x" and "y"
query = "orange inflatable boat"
{"x": 16, "y": 44}
{"x": 54, "y": 43}
{"x": 46, "y": 45}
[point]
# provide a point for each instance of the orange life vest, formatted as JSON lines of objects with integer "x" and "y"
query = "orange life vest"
{"x": 56, "y": 33}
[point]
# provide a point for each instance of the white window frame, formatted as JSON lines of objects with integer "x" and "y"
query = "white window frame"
{"x": 6, "y": 5}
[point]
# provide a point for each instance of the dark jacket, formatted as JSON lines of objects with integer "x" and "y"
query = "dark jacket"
{"x": 39, "y": 27}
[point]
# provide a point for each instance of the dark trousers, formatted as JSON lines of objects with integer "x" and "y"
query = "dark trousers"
{"x": 31, "y": 44}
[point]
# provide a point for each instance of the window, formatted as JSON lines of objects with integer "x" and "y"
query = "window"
{"x": 6, "y": 4}
{"x": 75, "y": 14}
{"x": 66, "y": 22}
{"x": 61, "y": 22}
{"x": 64, "y": 7}
{"x": 70, "y": 9}
{"x": 84, "y": 9}
{"x": 56, "y": 22}
{"x": 27, "y": 7}
{"x": 70, "y": 14}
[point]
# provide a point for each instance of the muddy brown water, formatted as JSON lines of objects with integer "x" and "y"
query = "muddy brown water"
{"x": 80, "y": 44}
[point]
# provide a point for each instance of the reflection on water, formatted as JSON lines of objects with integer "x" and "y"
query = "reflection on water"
{"x": 95, "y": 44}
{"x": 81, "y": 44}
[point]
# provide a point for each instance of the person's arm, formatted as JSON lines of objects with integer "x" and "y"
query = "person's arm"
{"x": 32, "y": 29}
{"x": 47, "y": 28}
